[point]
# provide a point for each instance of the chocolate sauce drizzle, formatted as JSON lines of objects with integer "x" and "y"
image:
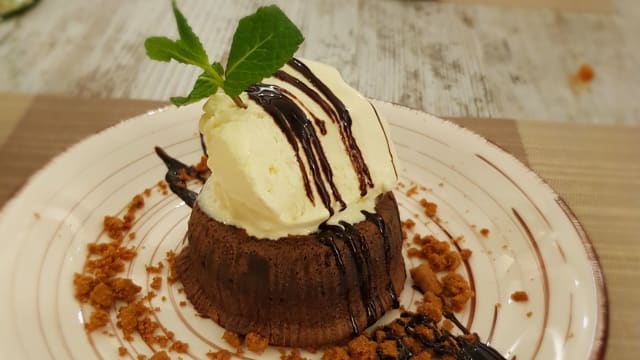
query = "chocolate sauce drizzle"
{"x": 393, "y": 163}
{"x": 359, "y": 251}
{"x": 301, "y": 134}
{"x": 177, "y": 185}
{"x": 467, "y": 347}
{"x": 204, "y": 146}
{"x": 341, "y": 115}
{"x": 328, "y": 238}
{"x": 310, "y": 93}
{"x": 382, "y": 229}
{"x": 289, "y": 114}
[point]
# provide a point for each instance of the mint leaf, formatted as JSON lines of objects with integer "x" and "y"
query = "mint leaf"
{"x": 218, "y": 68}
{"x": 188, "y": 42}
{"x": 262, "y": 43}
{"x": 164, "y": 49}
{"x": 187, "y": 49}
{"x": 203, "y": 87}
{"x": 160, "y": 48}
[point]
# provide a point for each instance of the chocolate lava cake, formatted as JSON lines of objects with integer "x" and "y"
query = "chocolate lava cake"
{"x": 301, "y": 290}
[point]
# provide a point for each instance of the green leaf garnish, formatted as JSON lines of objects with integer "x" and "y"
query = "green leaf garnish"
{"x": 203, "y": 87}
{"x": 263, "y": 42}
{"x": 164, "y": 49}
{"x": 188, "y": 39}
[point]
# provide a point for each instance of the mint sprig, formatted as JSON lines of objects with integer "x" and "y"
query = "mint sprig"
{"x": 263, "y": 42}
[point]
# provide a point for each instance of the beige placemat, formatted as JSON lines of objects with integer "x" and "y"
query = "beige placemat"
{"x": 13, "y": 107}
{"x": 596, "y": 169}
{"x": 567, "y": 5}
{"x": 47, "y": 125}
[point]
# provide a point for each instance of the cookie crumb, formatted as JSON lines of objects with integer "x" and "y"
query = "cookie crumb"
{"x": 232, "y": 339}
{"x": 162, "y": 355}
{"x": 156, "y": 283}
{"x": 456, "y": 291}
{"x": 389, "y": 349}
{"x": 122, "y": 351}
{"x": 424, "y": 277}
{"x": 413, "y": 189}
{"x": 97, "y": 319}
{"x": 335, "y": 353}
{"x": 173, "y": 275}
{"x": 408, "y": 224}
{"x": 422, "y": 356}
{"x": 579, "y": 80}
{"x": 294, "y": 355}
{"x": 585, "y": 73}
{"x": 362, "y": 348}
{"x": 179, "y": 347}
{"x": 431, "y": 306}
{"x": 154, "y": 269}
{"x": 219, "y": 355}
{"x": 256, "y": 343}
{"x": 520, "y": 296}
{"x": 430, "y": 209}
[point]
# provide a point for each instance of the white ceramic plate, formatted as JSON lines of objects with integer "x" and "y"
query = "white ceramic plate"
{"x": 535, "y": 244}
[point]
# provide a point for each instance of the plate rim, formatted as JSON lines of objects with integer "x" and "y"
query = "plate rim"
{"x": 600, "y": 341}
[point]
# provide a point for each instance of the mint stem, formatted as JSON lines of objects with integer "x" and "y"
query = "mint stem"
{"x": 236, "y": 99}
{"x": 220, "y": 82}
{"x": 214, "y": 75}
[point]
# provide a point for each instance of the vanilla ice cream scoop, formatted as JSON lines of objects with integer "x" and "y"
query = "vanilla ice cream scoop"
{"x": 308, "y": 149}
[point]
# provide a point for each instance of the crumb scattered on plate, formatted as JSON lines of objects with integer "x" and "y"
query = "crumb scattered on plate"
{"x": 519, "y": 296}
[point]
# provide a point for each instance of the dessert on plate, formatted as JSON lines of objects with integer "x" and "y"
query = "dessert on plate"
{"x": 296, "y": 234}
{"x": 295, "y": 238}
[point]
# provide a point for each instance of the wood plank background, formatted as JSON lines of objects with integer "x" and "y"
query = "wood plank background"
{"x": 450, "y": 59}
{"x": 567, "y": 5}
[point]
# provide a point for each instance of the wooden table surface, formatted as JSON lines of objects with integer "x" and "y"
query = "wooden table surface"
{"x": 594, "y": 168}
{"x": 447, "y": 57}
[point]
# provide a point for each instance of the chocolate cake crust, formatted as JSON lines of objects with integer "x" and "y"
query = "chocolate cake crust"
{"x": 302, "y": 291}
